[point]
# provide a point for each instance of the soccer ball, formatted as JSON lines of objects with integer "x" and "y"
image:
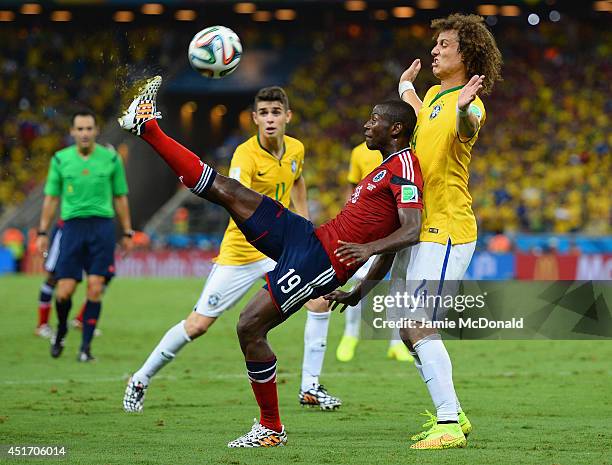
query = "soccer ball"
{"x": 215, "y": 52}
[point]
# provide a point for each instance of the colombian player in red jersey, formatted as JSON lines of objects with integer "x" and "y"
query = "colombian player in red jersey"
{"x": 382, "y": 216}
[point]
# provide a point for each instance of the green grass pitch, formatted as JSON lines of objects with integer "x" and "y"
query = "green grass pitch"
{"x": 544, "y": 402}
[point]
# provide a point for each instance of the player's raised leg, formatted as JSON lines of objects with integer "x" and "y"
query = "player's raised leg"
{"x": 141, "y": 117}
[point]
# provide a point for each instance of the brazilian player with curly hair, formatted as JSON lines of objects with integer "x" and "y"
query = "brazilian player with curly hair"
{"x": 467, "y": 62}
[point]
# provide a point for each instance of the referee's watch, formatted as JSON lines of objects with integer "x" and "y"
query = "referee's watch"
{"x": 129, "y": 233}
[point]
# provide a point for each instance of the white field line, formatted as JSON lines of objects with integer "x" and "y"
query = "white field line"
{"x": 349, "y": 374}
{"x": 112, "y": 379}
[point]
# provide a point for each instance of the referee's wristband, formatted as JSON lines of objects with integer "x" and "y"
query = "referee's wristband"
{"x": 404, "y": 86}
{"x": 40, "y": 232}
{"x": 129, "y": 233}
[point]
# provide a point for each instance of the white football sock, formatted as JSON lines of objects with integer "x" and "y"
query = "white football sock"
{"x": 437, "y": 372}
{"x": 418, "y": 364}
{"x": 315, "y": 341}
{"x": 352, "y": 321}
{"x": 419, "y": 367}
{"x": 172, "y": 342}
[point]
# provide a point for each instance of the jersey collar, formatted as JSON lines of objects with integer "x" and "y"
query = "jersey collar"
{"x": 447, "y": 91}
{"x": 395, "y": 153}
{"x": 270, "y": 153}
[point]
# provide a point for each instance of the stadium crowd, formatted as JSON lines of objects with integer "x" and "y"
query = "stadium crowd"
{"x": 543, "y": 163}
{"x": 44, "y": 76}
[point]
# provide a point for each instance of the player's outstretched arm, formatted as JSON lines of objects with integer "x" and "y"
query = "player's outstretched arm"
{"x": 406, "y": 88}
{"x": 407, "y": 234}
{"x": 468, "y": 115}
{"x": 379, "y": 269}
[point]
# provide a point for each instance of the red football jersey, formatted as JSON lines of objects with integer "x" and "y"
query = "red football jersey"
{"x": 371, "y": 212}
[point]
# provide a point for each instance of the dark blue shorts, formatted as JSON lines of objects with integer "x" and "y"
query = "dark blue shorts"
{"x": 303, "y": 270}
{"x": 87, "y": 244}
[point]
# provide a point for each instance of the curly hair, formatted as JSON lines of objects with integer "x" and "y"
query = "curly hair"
{"x": 477, "y": 46}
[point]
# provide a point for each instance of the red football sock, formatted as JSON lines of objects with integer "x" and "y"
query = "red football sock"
{"x": 263, "y": 382}
{"x": 186, "y": 164}
{"x": 267, "y": 399}
{"x": 79, "y": 317}
{"x": 43, "y": 313}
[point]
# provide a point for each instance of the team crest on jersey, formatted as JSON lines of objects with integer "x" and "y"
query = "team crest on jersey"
{"x": 410, "y": 194}
{"x": 436, "y": 111}
{"x": 379, "y": 176}
{"x": 293, "y": 166}
{"x": 213, "y": 300}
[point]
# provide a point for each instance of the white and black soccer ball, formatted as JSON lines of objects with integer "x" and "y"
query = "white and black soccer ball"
{"x": 215, "y": 52}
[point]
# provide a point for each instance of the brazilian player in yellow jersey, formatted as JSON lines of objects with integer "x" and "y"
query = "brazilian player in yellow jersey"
{"x": 257, "y": 168}
{"x": 467, "y": 63}
{"x": 270, "y": 163}
{"x": 363, "y": 162}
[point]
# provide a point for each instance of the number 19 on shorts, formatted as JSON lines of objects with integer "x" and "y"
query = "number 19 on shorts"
{"x": 292, "y": 281}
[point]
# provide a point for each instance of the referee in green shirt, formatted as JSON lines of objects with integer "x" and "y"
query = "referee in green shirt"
{"x": 90, "y": 180}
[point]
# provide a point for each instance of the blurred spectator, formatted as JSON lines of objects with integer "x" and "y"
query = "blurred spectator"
{"x": 542, "y": 165}
{"x": 500, "y": 243}
{"x": 181, "y": 220}
{"x": 14, "y": 240}
{"x": 141, "y": 240}
{"x": 544, "y": 162}
{"x": 44, "y": 74}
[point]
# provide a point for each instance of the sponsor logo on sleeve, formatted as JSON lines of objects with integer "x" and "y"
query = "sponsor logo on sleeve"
{"x": 293, "y": 166}
{"x": 410, "y": 194}
{"x": 234, "y": 173}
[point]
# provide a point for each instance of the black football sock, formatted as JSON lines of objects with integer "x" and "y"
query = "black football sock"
{"x": 63, "y": 309}
{"x": 90, "y": 319}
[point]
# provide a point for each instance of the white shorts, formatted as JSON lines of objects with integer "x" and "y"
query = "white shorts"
{"x": 227, "y": 284}
{"x": 432, "y": 268}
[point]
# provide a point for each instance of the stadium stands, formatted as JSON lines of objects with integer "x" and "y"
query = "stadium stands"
{"x": 45, "y": 75}
{"x": 542, "y": 163}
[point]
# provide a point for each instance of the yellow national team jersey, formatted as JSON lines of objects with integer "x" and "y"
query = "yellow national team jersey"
{"x": 261, "y": 171}
{"x": 444, "y": 161}
{"x": 363, "y": 162}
